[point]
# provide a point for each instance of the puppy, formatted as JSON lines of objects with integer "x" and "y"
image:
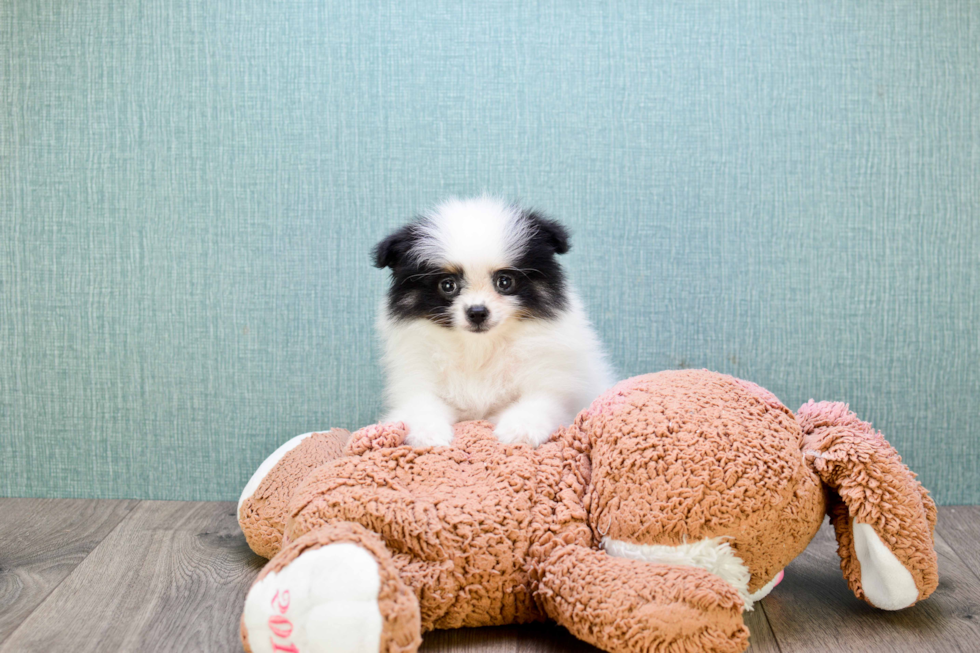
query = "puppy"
{"x": 480, "y": 323}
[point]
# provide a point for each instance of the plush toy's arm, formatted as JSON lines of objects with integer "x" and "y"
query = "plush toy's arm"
{"x": 625, "y": 605}
{"x": 882, "y": 516}
{"x": 376, "y": 436}
{"x": 406, "y": 523}
{"x": 262, "y": 506}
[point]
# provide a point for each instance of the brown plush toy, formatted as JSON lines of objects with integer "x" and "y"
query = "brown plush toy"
{"x": 670, "y": 505}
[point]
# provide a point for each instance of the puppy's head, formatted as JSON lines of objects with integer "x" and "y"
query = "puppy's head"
{"x": 474, "y": 265}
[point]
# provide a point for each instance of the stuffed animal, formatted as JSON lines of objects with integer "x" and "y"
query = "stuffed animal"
{"x": 668, "y": 507}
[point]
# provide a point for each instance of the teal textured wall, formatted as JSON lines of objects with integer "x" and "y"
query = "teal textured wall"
{"x": 189, "y": 189}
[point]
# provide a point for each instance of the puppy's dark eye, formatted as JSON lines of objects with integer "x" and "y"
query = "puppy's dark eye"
{"x": 448, "y": 287}
{"x": 504, "y": 283}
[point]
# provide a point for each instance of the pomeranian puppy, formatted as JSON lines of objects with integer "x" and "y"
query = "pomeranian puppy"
{"x": 480, "y": 323}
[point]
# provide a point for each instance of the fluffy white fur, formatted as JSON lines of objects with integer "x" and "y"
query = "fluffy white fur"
{"x": 713, "y": 554}
{"x": 526, "y": 376}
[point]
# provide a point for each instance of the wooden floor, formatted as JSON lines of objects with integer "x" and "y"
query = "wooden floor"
{"x": 147, "y": 576}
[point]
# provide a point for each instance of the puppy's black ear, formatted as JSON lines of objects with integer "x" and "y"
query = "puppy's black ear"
{"x": 554, "y": 235}
{"x": 392, "y": 250}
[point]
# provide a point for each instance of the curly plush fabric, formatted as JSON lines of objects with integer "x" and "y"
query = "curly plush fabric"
{"x": 619, "y": 604}
{"x": 871, "y": 486}
{"x": 715, "y": 456}
{"x": 262, "y": 515}
{"x": 376, "y": 436}
{"x": 460, "y": 520}
{"x": 482, "y": 533}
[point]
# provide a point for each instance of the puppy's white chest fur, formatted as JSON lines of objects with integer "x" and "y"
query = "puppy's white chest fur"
{"x": 525, "y": 377}
{"x": 478, "y": 375}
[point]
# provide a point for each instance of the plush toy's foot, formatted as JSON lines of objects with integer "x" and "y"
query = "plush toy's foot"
{"x": 325, "y": 600}
{"x": 331, "y": 591}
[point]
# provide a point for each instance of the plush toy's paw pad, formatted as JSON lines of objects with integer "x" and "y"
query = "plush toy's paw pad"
{"x": 324, "y": 601}
{"x": 344, "y": 627}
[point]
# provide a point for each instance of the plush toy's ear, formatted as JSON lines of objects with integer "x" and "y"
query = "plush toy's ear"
{"x": 882, "y": 516}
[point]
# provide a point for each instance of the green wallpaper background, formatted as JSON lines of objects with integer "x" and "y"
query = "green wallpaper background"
{"x": 189, "y": 190}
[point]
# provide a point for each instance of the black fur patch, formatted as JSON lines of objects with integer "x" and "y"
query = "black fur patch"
{"x": 540, "y": 280}
{"x": 395, "y": 247}
{"x": 414, "y": 291}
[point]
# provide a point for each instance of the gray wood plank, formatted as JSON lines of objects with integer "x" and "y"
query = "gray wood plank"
{"x": 960, "y": 527}
{"x": 551, "y": 638}
{"x": 504, "y": 639}
{"x": 813, "y": 609}
{"x": 171, "y": 577}
{"x": 761, "y": 639}
{"x": 41, "y": 542}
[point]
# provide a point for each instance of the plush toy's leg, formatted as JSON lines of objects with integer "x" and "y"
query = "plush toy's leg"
{"x": 437, "y": 587}
{"x": 882, "y": 516}
{"x": 623, "y": 605}
{"x": 335, "y": 590}
{"x": 408, "y": 524}
{"x": 262, "y": 506}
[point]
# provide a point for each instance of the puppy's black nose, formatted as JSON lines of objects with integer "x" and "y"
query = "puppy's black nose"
{"x": 477, "y": 315}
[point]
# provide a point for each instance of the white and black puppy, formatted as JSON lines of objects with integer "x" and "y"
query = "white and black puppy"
{"x": 480, "y": 323}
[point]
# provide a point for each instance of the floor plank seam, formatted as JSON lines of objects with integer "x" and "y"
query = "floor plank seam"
{"x": 772, "y": 631}
{"x": 51, "y": 591}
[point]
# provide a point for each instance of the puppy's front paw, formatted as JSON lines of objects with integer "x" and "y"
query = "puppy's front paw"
{"x": 524, "y": 426}
{"x": 427, "y": 432}
{"x": 429, "y": 421}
